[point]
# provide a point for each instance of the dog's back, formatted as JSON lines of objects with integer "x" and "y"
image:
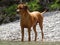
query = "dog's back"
{"x": 36, "y": 14}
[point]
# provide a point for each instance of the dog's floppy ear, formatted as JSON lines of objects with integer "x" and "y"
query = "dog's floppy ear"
{"x": 25, "y": 7}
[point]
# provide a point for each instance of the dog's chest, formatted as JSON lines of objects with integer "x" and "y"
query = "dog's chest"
{"x": 25, "y": 23}
{"x": 28, "y": 22}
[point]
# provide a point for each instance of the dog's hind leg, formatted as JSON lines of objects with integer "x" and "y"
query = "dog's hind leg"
{"x": 34, "y": 28}
{"x": 41, "y": 27}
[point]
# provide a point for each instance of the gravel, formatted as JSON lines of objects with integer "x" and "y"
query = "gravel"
{"x": 51, "y": 28}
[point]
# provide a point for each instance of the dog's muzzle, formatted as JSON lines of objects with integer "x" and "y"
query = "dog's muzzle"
{"x": 18, "y": 10}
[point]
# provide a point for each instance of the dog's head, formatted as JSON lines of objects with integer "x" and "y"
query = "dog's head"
{"x": 22, "y": 7}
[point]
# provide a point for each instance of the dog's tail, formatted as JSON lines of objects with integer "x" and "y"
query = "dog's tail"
{"x": 44, "y": 11}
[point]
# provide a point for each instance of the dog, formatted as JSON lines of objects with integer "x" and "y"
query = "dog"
{"x": 30, "y": 19}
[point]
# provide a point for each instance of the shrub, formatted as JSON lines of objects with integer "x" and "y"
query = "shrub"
{"x": 11, "y": 10}
{"x": 9, "y": 14}
{"x": 55, "y": 5}
{"x": 33, "y": 5}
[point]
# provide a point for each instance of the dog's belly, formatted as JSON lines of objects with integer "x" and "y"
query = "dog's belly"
{"x": 28, "y": 24}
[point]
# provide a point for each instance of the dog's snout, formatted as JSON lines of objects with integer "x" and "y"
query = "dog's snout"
{"x": 17, "y": 10}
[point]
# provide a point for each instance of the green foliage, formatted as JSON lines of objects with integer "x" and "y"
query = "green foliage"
{"x": 33, "y": 5}
{"x": 8, "y": 14}
{"x": 11, "y": 10}
{"x": 55, "y": 5}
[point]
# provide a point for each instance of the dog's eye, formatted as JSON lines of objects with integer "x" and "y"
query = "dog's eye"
{"x": 20, "y": 8}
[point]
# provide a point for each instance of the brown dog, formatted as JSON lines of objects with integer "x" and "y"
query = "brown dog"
{"x": 30, "y": 19}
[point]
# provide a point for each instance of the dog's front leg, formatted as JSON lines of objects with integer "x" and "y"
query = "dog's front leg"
{"x": 22, "y": 32}
{"x": 29, "y": 30}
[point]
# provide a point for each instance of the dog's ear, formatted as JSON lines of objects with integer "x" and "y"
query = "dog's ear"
{"x": 25, "y": 7}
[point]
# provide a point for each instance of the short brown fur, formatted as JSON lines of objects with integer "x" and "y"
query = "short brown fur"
{"x": 30, "y": 19}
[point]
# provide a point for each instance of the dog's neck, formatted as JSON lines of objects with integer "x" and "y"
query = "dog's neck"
{"x": 25, "y": 13}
